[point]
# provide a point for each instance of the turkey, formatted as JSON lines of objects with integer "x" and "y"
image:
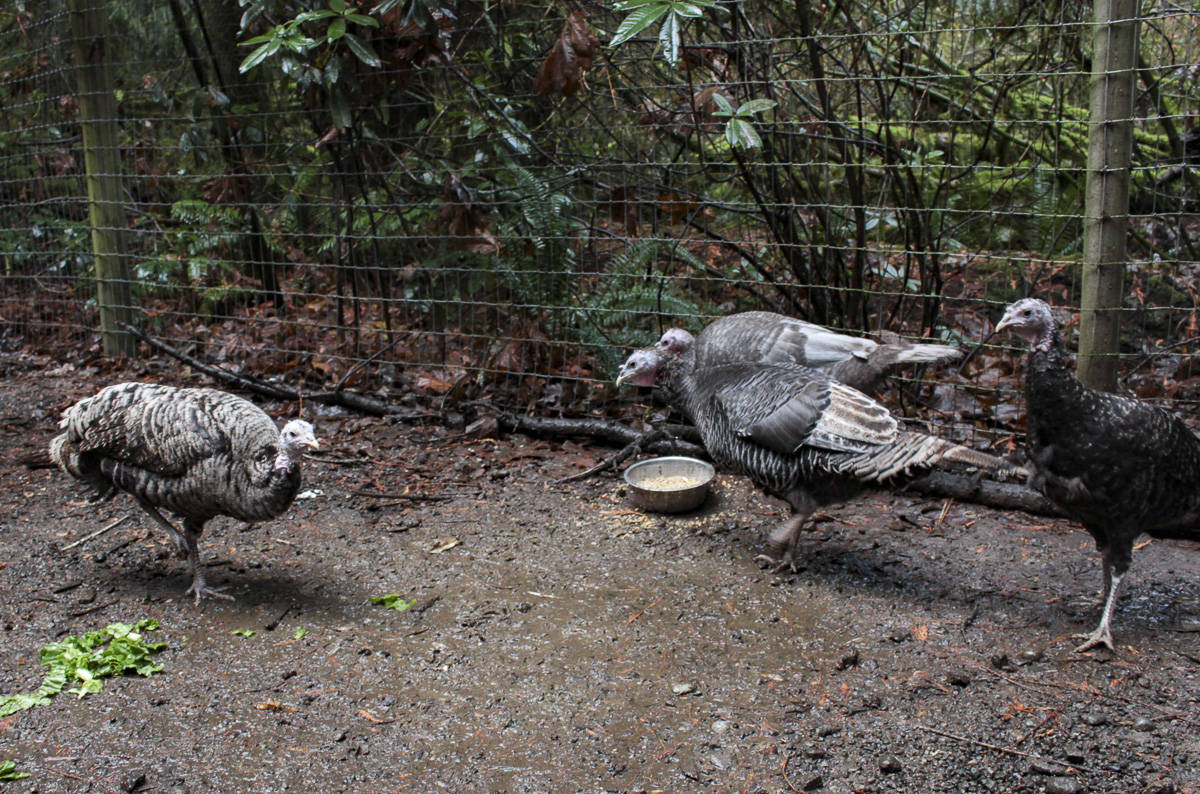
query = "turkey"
{"x": 769, "y": 338}
{"x": 1115, "y": 464}
{"x": 199, "y": 453}
{"x": 796, "y": 432}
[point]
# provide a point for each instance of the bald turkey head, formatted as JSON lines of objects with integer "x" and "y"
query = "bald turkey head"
{"x": 1030, "y": 319}
{"x": 641, "y": 368}
{"x": 675, "y": 340}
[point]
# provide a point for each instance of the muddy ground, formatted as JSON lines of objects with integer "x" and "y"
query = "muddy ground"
{"x": 562, "y": 641}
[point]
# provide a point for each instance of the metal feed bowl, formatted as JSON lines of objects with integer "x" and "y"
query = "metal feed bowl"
{"x": 669, "y": 498}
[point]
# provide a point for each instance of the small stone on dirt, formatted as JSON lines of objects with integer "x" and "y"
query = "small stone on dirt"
{"x": 1063, "y": 785}
{"x": 683, "y": 688}
{"x": 959, "y": 678}
{"x": 890, "y": 765}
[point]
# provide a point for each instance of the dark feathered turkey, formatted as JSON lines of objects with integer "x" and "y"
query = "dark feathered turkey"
{"x": 199, "y": 453}
{"x": 796, "y": 432}
{"x": 1115, "y": 464}
{"x": 769, "y": 338}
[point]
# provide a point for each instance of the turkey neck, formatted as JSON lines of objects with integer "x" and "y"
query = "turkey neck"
{"x": 1050, "y": 388}
{"x": 676, "y": 384}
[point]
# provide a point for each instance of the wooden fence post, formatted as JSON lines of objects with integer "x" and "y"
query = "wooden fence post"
{"x": 102, "y": 163}
{"x": 1106, "y": 202}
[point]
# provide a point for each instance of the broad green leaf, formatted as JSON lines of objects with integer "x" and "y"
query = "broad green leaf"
{"x": 337, "y": 29}
{"x": 689, "y": 10}
{"x": 258, "y": 56}
{"x": 393, "y": 601}
{"x": 300, "y": 633}
{"x": 338, "y": 5}
{"x": 363, "y": 51}
{"x": 8, "y": 771}
{"x": 252, "y": 12}
{"x": 360, "y": 19}
{"x": 755, "y": 106}
{"x": 89, "y": 658}
{"x": 310, "y": 16}
{"x": 669, "y": 38}
{"x": 259, "y": 39}
{"x": 626, "y": 5}
{"x": 636, "y": 22}
{"x": 741, "y": 134}
{"x": 11, "y": 704}
{"x": 726, "y": 107}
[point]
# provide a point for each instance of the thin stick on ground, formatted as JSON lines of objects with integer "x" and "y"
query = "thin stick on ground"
{"x": 1008, "y": 750}
{"x": 96, "y": 534}
{"x": 415, "y": 497}
{"x": 616, "y": 459}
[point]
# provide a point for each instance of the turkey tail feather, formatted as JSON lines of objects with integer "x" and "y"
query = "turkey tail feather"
{"x": 927, "y": 354}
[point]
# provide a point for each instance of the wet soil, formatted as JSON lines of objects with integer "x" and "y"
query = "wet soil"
{"x": 563, "y": 641}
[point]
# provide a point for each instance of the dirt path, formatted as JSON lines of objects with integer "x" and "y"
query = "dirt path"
{"x": 562, "y": 641}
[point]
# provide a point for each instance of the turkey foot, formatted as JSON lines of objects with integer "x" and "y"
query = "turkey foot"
{"x": 786, "y": 563}
{"x": 202, "y": 590}
{"x": 1101, "y": 636}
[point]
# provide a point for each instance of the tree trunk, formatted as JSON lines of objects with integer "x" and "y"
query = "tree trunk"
{"x": 1106, "y": 204}
{"x": 102, "y": 163}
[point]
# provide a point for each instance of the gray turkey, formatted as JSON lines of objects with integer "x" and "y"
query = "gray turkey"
{"x": 1115, "y": 464}
{"x": 199, "y": 453}
{"x": 796, "y": 432}
{"x": 770, "y": 338}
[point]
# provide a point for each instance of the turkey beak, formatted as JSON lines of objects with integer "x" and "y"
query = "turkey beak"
{"x": 313, "y": 444}
{"x": 621, "y": 377}
{"x": 1005, "y": 321}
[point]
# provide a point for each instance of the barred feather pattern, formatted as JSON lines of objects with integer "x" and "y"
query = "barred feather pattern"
{"x": 796, "y": 432}
{"x": 768, "y": 422}
{"x": 778, "y": 473}
{"x": 770, "y": 338}
{"x": 197, "y": 452}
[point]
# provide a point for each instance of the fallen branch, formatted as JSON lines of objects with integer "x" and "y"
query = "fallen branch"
{"x": 95, "y": 608}
{"x": 646, "y": 440}
{"x": 993, "y": 493}
{"x": 665, "y": 440}
{"x": 277, "y": 391}
{"x": 685, "y": 440}
{"x": 595, "y": 429}
{"x": 397, "y": 495}
{"x": 1009, "y": 750}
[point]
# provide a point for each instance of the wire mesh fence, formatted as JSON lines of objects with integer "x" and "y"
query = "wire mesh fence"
{"x": 493, "y": 199}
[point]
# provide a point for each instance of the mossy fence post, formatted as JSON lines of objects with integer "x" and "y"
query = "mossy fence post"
{"x": 1106, "y": 202}
{"x": 102, "y": 163}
